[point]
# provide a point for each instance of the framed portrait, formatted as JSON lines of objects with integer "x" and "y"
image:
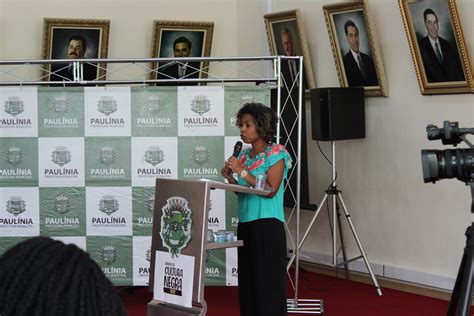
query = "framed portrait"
{"x": 286, "y": 37}
{"x": 181, "y": 39}
{"x": 75, "y": 39}
{"x": 437, "y": 46}
{"x": 355, "y": 47}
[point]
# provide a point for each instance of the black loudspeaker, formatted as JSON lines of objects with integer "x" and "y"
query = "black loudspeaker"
{"x": 337, "y": 113}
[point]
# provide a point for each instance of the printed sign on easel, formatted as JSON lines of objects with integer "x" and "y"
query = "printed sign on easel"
{"x": 173, "y": 279}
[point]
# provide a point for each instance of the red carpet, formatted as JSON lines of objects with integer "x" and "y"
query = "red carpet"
{"x": 340, "y": 297}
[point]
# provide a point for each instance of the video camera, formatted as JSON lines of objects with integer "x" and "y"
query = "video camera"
{"x": 459, "y": 164}
{"x": 448, "y": 163}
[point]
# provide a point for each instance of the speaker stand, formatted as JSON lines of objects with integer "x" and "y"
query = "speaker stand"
{"x": 336, "y": 196}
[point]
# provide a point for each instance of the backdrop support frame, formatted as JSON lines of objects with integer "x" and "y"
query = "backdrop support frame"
{"x": 25, "y": 73}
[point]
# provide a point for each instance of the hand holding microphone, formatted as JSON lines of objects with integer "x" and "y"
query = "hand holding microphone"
{"x": 235, "y": 154}
{"x": 227, "y": 170}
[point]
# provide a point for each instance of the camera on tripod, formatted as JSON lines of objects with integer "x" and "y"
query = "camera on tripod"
{"x": 448, "y": 163}
{"x": 459, "y": 164}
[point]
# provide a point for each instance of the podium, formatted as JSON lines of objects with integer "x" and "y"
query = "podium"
{"x": 186, "y": 197}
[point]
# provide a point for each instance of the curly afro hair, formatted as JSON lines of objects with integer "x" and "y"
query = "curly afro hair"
{"x": 266, "y": 119}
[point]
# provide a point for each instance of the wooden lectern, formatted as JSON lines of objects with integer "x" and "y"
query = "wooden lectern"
{"x": 196, "y": 194}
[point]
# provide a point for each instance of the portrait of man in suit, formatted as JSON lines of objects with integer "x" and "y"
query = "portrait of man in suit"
{"x": 182, "y": 47}
{"x": 76, "y": 49}
{"x": 354, "y": 46}
{"x": 359, "y": 67}
{"x": 286, "y": 37}
{"x": 181, "y": 39}
{"x": 287, "y": 45}
{"x": 74, "y": 40}
{"x": 440, "y": 58}
{"x": 290, "y": 68}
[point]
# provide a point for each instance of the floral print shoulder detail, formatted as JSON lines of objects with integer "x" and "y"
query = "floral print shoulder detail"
{"x": 276, "y": 149}
{"x": 270, "y": 156}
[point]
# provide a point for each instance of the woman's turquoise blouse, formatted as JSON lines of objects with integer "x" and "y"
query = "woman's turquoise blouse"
{"x": 252, "y": 207}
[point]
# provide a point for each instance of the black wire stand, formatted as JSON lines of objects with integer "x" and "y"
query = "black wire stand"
{"x": 460, "y": 303}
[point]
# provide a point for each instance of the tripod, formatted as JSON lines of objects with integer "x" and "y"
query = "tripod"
{"x": 337, "y": 196}
{"x": 460, "y": 302}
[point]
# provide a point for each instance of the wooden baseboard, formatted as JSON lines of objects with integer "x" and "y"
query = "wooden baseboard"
{"x": 384, "y": 282}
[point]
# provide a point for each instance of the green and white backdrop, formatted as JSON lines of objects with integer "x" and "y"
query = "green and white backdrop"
{"x": 79, "y": 164}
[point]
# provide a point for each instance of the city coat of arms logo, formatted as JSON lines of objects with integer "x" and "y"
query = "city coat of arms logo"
{"x": 154, "y": 155}
{"x": 107, "y": 155}
{"x": 154, "y": 104}
{"x": 14, "y": 105}
{"x": 246, "y": 98}
{"x": 61, "y": 155}
{"x": 60, "y": 104}
{"x": 16, "y": 205}
{"x": 200, "y": 104}
{"x": 176, "y": 225}
{"x": 62, "y": 204}
{"x": 200, "y": 155}
{"x": 108, "y": 254}
{"x": 108, "y": 204}
{"x": 107, "y": 105}
{"x": 14, "y": 155}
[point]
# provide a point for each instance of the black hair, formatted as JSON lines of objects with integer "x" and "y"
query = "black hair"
{"x": 182, "y": 39}
{"x": 266, "y": 119}
{"x": 42, "y": 276}
{"x": 350, "y": 23}
{"x": 79, "y": 38}
{"x": 429, "y": 11}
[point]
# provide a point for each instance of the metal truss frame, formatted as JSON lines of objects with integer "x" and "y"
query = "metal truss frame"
{"x": 141, "y": 71}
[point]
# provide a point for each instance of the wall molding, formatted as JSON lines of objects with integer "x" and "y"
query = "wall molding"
{"x": 415, "y": 282}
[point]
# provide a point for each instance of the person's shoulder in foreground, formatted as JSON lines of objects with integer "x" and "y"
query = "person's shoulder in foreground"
{"x": 43, "y": 276}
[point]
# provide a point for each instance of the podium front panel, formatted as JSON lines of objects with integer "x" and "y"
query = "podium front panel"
{"x": 188, "y": 196}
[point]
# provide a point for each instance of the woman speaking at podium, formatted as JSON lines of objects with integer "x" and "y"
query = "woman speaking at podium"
{"x": 262, "y": 259}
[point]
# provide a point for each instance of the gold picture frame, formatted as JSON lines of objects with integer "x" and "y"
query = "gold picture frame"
{"x": 431, "y": 25}
{"x": 59, "y": 36}
{"x": 289, "y": 25}
{"x": 355, "y": 48}
{"x": 182, "y": 34}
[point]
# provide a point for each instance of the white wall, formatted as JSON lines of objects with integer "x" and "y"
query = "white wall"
{"x": 401, "y": 221}
{"x": 131, "y": 24}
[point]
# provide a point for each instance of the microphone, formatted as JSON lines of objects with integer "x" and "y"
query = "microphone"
{"x": 237, "y": 149}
